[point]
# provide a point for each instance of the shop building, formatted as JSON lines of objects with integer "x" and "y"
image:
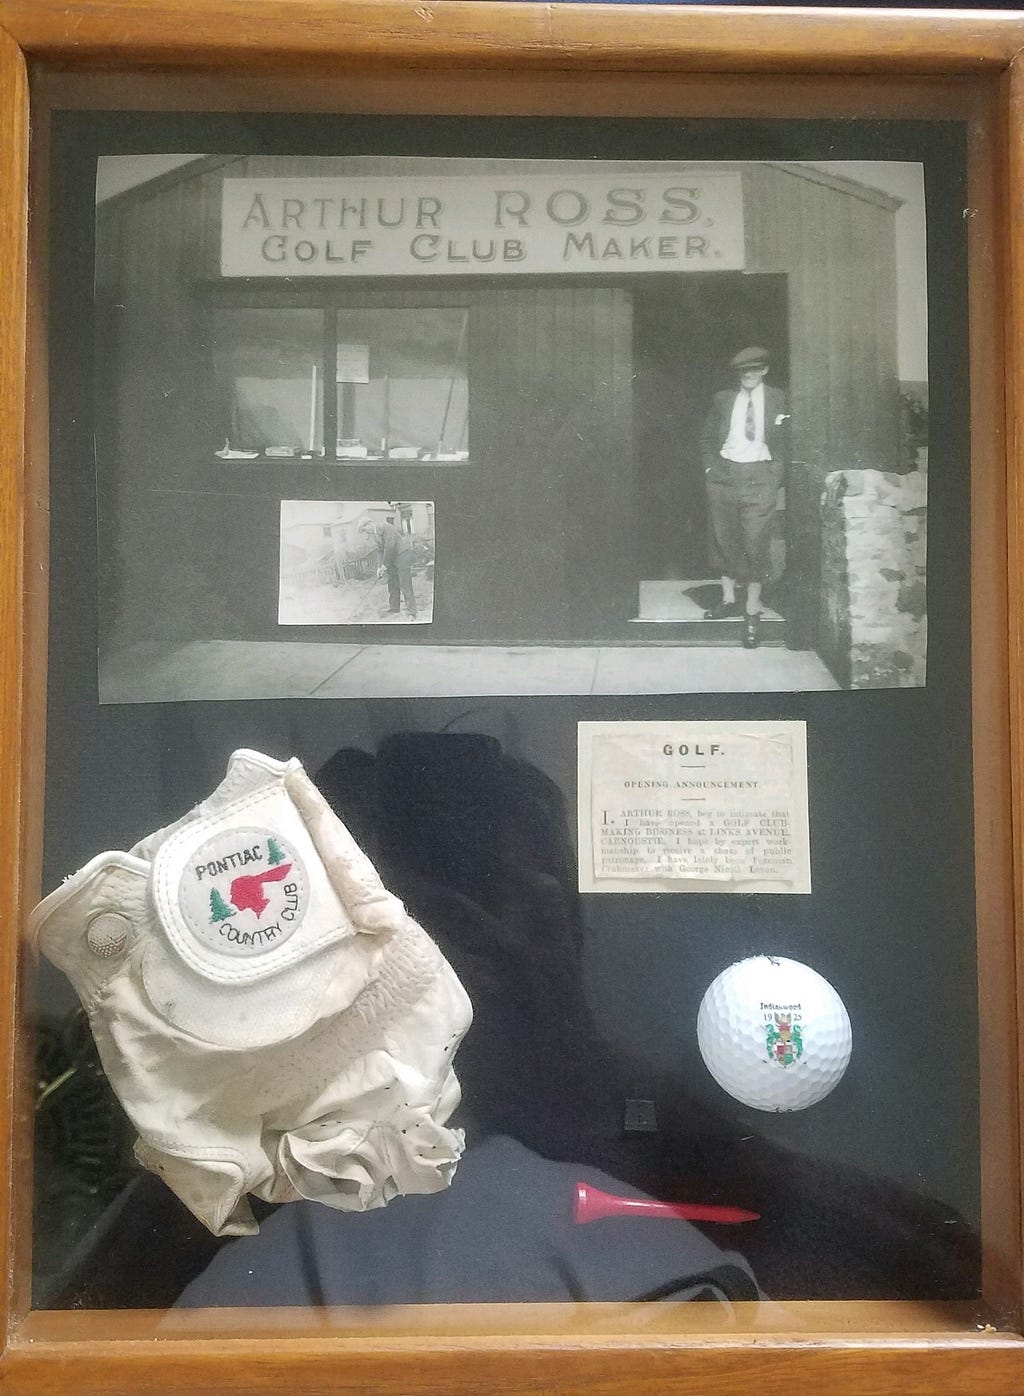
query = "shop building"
{"x": 532, "y": 353}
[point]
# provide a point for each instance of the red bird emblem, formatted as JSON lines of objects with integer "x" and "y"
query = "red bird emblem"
{"x": 247, "y": 891}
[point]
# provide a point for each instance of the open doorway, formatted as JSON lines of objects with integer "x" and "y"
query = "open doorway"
{"x": 686, "y": 330}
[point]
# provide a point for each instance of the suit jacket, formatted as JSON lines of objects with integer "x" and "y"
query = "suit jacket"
{"x": 776, "y": 434}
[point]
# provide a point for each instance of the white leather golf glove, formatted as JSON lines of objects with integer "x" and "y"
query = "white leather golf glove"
{"x": 271, "y": 1018}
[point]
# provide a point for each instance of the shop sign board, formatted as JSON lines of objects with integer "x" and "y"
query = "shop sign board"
{"x": 471, "y": 224}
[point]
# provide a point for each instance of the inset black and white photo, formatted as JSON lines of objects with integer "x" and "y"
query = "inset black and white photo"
{"x": 673, "y": 414}
{"x": 356, "y": 562}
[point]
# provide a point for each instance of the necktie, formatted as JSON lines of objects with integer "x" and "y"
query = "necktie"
{"x": 748, "y": 425}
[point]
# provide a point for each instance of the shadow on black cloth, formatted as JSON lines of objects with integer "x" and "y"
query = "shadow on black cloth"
{"x": 503, "y": 1233}
{"x": 477, "y": 844}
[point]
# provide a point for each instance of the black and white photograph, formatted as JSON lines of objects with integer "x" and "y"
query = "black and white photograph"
{"x": 672, "y": 417}
{"x": 356, "y": 562}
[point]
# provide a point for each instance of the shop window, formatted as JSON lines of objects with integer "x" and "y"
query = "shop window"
{"x": 401, "y": 390}
{"x": 402, "y": 385}
{"x": 269, "y": 369}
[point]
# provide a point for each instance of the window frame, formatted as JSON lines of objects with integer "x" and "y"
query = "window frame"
{"x": 331, "y": 296}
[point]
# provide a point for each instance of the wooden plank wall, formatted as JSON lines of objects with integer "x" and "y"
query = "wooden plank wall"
{"x": 551, "y": 417}
{"x": 539, "y": 531}
{"x": 838, "y": 250}
{"x": 523, "y": 532}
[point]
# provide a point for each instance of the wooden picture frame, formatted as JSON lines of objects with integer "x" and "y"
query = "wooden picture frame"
{"x": 473, "y": 57}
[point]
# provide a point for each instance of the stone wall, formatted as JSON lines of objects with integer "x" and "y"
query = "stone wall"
{"x": 873, "y": 625}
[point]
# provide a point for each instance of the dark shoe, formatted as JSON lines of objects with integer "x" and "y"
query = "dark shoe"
{"x": 723, "y": 610}
{"x": 391, "y": 611}
{"x": 751, "y": 630}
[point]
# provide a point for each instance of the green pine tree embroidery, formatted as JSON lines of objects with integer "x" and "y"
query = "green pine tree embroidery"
{"x": 219, "y": 910}
{"x": 274, "y": 853}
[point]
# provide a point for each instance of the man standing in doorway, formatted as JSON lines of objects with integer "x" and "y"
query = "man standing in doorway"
{"x": 395, "y": 553}
{"x": 744, "y": 447}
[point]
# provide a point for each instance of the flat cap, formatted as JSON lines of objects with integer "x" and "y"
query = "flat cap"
{"x": 752, "y": 357}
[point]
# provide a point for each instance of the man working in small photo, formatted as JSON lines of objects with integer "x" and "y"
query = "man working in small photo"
{"x": 745, "y": 453}
{"x": 395, "y": 553}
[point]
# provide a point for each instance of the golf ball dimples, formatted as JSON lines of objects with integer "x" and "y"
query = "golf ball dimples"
{"x": 773, "y": 1033}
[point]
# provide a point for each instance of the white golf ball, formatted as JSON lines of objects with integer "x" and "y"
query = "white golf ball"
{"x": 773, "y": 1033}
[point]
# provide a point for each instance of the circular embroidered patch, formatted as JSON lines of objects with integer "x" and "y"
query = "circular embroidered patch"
{"x": 244, "y": 892}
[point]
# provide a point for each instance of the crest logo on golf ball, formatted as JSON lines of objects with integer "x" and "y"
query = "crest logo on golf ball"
{"x": 773, "y": 1033}
{"x": 783, "y": 1038}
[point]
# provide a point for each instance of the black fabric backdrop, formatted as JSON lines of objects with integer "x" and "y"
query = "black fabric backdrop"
{"x": 872, "y": 1193}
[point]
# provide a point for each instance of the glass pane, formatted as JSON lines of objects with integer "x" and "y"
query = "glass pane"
{"x": 402, "y": 384}
{"x": 457, "y": 744}
{"x": 269, "y": 370}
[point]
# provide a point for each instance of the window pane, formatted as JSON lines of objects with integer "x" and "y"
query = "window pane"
{"x": 269, "y": 368}
{"x": 402, "y": 387}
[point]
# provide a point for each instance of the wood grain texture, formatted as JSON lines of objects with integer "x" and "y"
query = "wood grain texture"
{"x": 1013, "y": 154}
{"x": 580, "y": 1322}
{"x": 530, "y": 35}
{"x": 994, "y": 845}
{"x": 13, "y": 251}
{"x": 709, "y": 1366}
{"x": 847, "y": 1349}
